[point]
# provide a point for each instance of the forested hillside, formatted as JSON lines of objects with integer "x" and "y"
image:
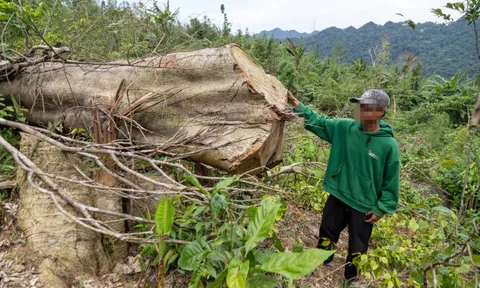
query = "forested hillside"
{"x": 442, "y": 48}
{"x": 119, "y": 211}
{"x": 280, "y": 34}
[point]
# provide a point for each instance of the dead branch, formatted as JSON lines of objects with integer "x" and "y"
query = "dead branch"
{"x": 443, "y": 262}
{"x": 131, "y": 184}
{"x": 7, "y": 185}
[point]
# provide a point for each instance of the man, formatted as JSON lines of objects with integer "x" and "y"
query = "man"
{"x": 363, "y": 172}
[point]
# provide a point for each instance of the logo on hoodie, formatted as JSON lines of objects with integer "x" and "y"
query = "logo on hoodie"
{"x": 371, "y": 154}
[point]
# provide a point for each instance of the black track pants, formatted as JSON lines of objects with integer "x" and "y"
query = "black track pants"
{"x": 336, "y": 216}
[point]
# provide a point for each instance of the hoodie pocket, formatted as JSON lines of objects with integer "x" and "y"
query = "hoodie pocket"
{"x": 355, "y": 186}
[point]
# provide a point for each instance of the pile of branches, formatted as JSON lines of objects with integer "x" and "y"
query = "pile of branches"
{"x": 120, "y": 160}
{"x": 15, "y": 62}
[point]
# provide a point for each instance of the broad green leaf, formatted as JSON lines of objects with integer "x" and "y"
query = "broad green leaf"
{"x": 191, "y": 255}
{"x": 262, "y": 281}
{"x": 224, "y": 184}
{"x": 443, "y": 209}
{"x": 412, "y": 225}
{"x": 237, "y": 273}
{"x": 373, "y": 265}
{"x": 219, "y": 281}
{"x": 216, "y": 256}
{"x": 251, "y": 211}
{"x": 194, "y": 181}
{"x": 262, "y": 255}
{"x": 164, "y": 217}
{"x": 295, "y": 265}
{"x": 211, "y": 270}
{"x": 262, "y": 223}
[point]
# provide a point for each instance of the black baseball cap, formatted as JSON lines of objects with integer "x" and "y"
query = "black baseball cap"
{"x": 373, "y": 97}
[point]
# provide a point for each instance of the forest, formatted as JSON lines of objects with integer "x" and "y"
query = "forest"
{"x": 443, "y": 48}
{"x": 85, "y": 205}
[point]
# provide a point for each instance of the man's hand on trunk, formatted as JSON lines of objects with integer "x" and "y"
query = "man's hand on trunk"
{"x": 292, "y": 100}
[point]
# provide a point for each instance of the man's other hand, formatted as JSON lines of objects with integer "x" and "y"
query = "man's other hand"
{"x": 373, "y": 218}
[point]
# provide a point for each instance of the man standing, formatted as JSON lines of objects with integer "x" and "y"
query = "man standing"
{"x": 362, "y": 176}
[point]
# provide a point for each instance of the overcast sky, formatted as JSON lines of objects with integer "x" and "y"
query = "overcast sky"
{"x": 306, "y": 15}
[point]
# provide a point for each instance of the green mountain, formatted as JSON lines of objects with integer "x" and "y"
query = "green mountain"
{"x": 442, "y": 48}
{"x": 280, "y": 34}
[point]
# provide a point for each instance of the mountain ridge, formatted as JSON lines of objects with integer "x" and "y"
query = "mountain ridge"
{"x": 281, "y": 34}
{"x": 443, "y": 48}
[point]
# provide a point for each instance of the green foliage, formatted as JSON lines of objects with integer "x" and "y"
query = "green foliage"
{"x": 443, "y": 49}
{"x": 296, "y": 264}
{"x": 262, "y": 281}
{"x": 429, "y": 119}
{"x": 13, "y": 112}
{"x": 261, "y": 224}
{"x": 164, "y": 217}
{"x": 237, "y": 273}
{"x": 223, "y": 246}
{"x": 192, "y": 255}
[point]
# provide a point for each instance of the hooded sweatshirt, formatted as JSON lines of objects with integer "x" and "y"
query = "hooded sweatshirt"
{"x": 364, "y": 167}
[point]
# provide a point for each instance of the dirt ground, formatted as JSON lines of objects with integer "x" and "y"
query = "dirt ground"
{"x": 300, "y": 225}
{"x": 17, "y": 267}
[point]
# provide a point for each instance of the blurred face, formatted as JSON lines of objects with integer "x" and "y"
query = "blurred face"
{"x": 368, "y": 113}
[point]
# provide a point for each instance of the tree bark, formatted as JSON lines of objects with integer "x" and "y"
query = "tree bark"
{"x": 217, "y": 101}
{"x": 63, "y": 248}
{"x": 7, "y": 185}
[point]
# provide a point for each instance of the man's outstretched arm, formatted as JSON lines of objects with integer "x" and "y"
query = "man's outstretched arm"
{"x": 320, "y": 125}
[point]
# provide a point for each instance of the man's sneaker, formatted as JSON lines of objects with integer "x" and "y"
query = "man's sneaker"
{"x": 329, "y": 261}
{"x": 349, "y": 283}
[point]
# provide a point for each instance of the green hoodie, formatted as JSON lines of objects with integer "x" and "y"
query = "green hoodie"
{"x": 364, "y": 167}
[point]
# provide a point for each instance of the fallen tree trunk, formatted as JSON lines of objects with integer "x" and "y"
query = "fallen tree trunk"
{"x": 215, "y": 104}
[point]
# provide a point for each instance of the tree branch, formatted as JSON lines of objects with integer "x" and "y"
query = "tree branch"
{"x": 7, "y": 185}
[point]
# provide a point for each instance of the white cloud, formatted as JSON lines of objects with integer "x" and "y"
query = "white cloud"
{"x": 304, "y": 16}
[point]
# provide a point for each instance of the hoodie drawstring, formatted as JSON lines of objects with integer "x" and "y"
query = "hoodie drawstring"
{"x": 368, "y": 140}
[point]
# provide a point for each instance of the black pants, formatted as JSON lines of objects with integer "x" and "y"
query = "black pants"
{"x": 336, "y": 216}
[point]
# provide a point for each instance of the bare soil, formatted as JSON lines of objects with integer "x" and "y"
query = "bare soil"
{"x": 299, "y": 225}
